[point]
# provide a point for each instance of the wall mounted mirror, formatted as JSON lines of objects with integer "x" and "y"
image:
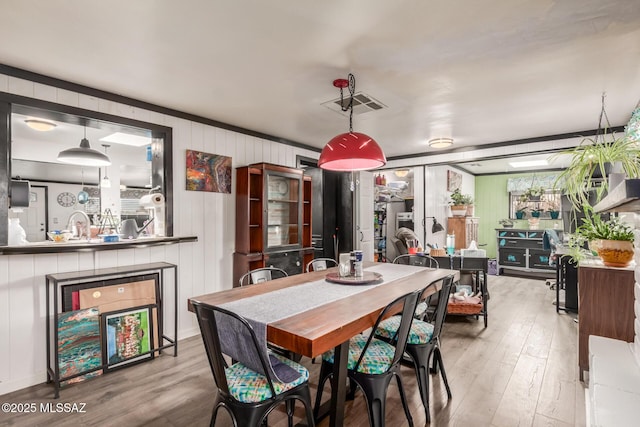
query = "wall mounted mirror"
{"x": 141, "y": 164}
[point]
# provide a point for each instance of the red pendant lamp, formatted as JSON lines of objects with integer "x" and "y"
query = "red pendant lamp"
{"x": 351, "y": 151}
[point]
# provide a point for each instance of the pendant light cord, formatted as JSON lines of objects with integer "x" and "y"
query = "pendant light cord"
{"x": 352, "y": 91}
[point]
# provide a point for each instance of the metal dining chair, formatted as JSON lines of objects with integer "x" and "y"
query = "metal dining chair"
{"x": 423, "y": 342}
{"x": 260, "y": 275}
{"x": 372, "y": 363}
{"x": 320, "y": 264}
{"x": 423, "y": 261}
{"x": 249, "y": 395}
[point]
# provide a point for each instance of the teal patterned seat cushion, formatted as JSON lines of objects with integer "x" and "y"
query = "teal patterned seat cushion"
{"x": 421, "y": 309}
{"x": 248, "y": 386}
{"x": 377, "y": 359}
{"x": 421, "y": 332}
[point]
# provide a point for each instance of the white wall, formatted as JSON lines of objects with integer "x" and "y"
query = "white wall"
{"x": 204, "y": 266}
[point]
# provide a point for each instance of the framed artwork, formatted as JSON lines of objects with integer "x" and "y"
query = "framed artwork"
{"x": 454, "y": 180}
{"x": 208, "y": 172}
{"x": 79, "y": 346}
{"x": 127, "y": 336}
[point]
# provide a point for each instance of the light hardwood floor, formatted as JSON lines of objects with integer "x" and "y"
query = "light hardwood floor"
{"x": 520, "y": 371}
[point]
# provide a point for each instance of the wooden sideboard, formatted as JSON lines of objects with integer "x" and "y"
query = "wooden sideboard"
{"x": 605, "y": 304}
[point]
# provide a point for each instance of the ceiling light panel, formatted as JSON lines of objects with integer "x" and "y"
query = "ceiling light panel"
{"x": 528, "y": 163}
{"x": 127, "y": 139}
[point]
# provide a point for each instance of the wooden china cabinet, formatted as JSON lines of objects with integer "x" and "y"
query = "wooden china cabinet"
{"x": 273, "y": 219}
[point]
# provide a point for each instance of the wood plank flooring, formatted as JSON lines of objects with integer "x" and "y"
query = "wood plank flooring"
{"x": 520, "y": 371}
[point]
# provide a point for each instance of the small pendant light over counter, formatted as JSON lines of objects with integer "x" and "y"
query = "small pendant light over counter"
{"x": 105, "y": 182}
{"x": 351, "y": 151}
{"x": 84, "y": 155}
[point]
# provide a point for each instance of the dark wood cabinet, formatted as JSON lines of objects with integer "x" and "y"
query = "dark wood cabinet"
{"x": 273, "y": 219}
{"x": 605, "y": 303}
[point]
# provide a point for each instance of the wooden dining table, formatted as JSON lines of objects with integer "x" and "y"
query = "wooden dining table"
{"x": 330, "y": 326}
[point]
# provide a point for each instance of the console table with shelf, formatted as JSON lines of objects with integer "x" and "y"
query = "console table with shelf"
{"x": 111, "y": 277}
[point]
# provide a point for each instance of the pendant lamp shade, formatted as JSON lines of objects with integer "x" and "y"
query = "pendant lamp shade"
{"x": 352, "y": 151}
{"x": 84, "y": 155}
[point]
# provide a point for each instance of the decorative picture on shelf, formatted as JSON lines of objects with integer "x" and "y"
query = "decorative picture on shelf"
{"x": 79, "y": 348}
{"x": 127, "y": 336}
{"x": 208, "y": 172}
{"x": 454, "y": 180}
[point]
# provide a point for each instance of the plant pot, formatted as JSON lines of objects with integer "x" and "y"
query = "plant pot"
{"x": 554, "y": 214}
{"x": 459, "y": 210}
{"x": 535, "y": 214}
{"x": 521, "y": 214}
{"x": 470, "y": 210}
{"x": 614, "y": 253}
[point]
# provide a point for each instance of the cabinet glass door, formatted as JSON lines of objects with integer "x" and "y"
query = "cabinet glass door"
{"x": 283, "y": 210}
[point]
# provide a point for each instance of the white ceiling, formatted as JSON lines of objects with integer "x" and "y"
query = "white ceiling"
{"x": 480, "y": 72}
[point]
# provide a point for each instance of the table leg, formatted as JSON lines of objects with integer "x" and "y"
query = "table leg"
{"x": 339, "y": 384}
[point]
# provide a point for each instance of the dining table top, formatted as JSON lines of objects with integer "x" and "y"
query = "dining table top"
{"x": 314, "y": 331}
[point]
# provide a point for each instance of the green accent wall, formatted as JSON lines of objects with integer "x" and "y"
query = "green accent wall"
{"x": 492, "y": 205}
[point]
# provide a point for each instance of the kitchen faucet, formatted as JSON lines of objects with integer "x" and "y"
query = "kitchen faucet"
{"x": 87, "y": 224}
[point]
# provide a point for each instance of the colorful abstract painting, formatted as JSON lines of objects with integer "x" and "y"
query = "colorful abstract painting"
{"x": 79, "y": 347}
{"x": 128, "y": 336}
{"x": 208, "y": 172}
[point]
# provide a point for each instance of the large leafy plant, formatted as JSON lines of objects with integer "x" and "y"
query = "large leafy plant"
{"x": 593, "y": 227}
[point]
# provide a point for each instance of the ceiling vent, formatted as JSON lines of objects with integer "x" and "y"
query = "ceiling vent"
{"x": 362, "y": 103}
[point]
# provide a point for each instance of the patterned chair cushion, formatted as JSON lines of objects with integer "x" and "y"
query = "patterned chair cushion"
{"x": 377, "y": 359}
{"x": 421, "y": 332}
{"x": 248, "y": 386}
{"x": 421, "y": 309}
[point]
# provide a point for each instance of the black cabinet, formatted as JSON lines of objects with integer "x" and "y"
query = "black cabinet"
{"x": 523, "y": 250}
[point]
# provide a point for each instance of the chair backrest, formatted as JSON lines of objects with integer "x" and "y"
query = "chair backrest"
{"x": 401, "y": 248}
{"x": 409, "y": 302}
{"x": 441, "y": 308}
{"x": 260, "y": 275}
{"x": 208, "y": 317}
{"x": 320, "y": 264}
{"x": 420, "y": 260}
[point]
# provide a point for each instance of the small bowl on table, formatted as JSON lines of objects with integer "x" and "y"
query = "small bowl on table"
{"x": 59, "y": 236}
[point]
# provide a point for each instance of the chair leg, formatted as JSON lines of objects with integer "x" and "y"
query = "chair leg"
{"x": 306, "y": 401}
{"x": 325, "y": 372}
{"x": 420, "y": 358}
{"x": 291, "y": 405}
{"x": 438, "y": 355}
{"x": 403, "y": 399}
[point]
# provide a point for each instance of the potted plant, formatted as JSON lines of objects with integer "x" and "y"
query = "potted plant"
{"x": 590, "y": 159}
{"x": 521, "y": 210}
{"x": 553, "y": 208}
{"x": 458, "y": 203}
{"x": 612, "y": 240}
{"x": 506, "y": 223}
{"x": 468, "y": 200}
{"x": 535, "y": 212}
{"x": 533, "y": 193}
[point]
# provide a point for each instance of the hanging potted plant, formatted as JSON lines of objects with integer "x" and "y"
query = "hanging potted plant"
{"x": 534, "y": 193}
{"x": 612, "y": 240}
{"x": 458, "y": 203}
{"x": 592, "y": 161}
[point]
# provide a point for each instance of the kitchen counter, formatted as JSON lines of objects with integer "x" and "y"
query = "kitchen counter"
{"x": 93, "y": 245}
